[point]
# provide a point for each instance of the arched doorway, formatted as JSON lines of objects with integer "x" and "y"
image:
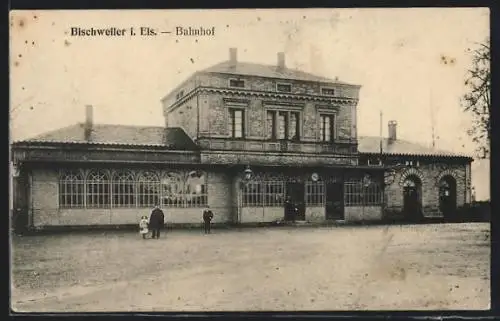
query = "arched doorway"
{"x": 447, "y": 196}
{"x": 412, "y": 204}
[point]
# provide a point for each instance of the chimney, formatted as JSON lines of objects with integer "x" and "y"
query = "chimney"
{"x": 281, "y": 60}
{"x": 392, "y": 130}
{"x": 233, "y": 57}
{"x": 89, "y": 121}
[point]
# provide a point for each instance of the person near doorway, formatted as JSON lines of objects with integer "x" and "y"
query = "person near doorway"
{"x": 156, "y": 222}
{"x": 208, "y": 215}
{"x": 143, "y": 226}
{"x": 289, "y": 209}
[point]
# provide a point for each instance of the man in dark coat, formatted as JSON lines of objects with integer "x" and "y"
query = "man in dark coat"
{"x": 207, "y": 218}
{"x": 156, "y": 222}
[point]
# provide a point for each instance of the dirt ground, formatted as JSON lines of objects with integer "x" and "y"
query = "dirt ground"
{"x": 409, "y": 267}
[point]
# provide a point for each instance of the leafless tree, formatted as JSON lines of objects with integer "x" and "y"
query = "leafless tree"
{"x": 476, "y": 100}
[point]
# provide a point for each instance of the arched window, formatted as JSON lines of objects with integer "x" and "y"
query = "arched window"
{"x": 196, "y": 189}
{"x": 71, "y": 189}
{"x": 148, "y": 187}
{"x": 172, "y": 190}
{"x": 409, "y": 183}
{"x": 98, "y": 189}
{"x": 123, "y": 189}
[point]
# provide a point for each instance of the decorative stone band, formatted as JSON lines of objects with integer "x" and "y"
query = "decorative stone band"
{"x": 411, "y": 172}
{"x": 446, "y": 172}
{"x": 264, "y": 94}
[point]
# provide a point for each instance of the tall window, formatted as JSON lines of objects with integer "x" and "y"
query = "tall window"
{"x": 282, "y": 125}
{"x": 196, "y": 190}
{"x": 294, "y": 126}
{"x": 71, "y": 189}
{"x": 236, "y": 123}
{"x": 123, "y": 189}
{"x": 315, "y": 193}
{"x": 148, "y": 185}
{"x": 327, "y": 127}
{"x": 271, "y": 121}
{"x": 98, "y": 189}
{"x": 274, "y": 193}
{"x": 252, "y": 194}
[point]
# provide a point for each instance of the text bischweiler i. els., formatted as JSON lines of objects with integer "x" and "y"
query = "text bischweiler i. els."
{"x": 140, "y": 31}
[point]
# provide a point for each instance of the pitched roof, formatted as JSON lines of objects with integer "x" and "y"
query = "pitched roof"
{"x": 105, "y": 134}
{"x": 371, "y": 144}
{"x": 269, "y": 71}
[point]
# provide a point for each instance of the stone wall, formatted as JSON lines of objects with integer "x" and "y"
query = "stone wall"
{"x": 429, "y": 174}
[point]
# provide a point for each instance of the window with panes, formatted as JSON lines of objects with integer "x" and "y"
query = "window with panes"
{"x": 327, "y": 127}
{"x": 71, "y": 189}
{"x": 97, "y": 189}
{"x": 123, "y": 189}
{"x": 315, "y": 193}
{"x": 236, "y": 122}
{"x": 358, "y": 194}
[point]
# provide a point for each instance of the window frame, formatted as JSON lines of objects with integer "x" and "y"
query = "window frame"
{"x": 128, "y": 184}
{"x": 332, "y": 117}
{"x": 283, "y": 84}
{"x": 72, "y": 188}
{"x": 98, "y": 191}
{"x": 238, "y": 81}
{"x": 357, "y": 194}
{"x": 232, "y": 122}
{"x": 315, "y": 193}
{"x": 334, "y": 91}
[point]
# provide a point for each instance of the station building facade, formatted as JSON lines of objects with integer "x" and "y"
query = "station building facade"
{"x": 241, "y": 138}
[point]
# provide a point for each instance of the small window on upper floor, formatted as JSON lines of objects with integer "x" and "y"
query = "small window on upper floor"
{"x": 287, "y": 88}
{"x": 236, "y": 83}
{"x": 374, "y": 161}
{"x": 328, "y": 91}
{"x": 179, "y": 95}
{"x": 412, "y": 163}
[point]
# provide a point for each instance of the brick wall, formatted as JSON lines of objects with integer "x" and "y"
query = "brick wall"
{"x": 430, "y": 174}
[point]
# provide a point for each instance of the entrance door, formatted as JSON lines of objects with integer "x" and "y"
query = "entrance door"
{"x": 334, "y": 205}
{"x": 447, "y": 196}
{"x": 296, "y": 191}
{"x": 411, "y": 199}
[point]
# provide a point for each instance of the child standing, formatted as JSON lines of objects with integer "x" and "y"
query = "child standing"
{"x": 143, "y": 226}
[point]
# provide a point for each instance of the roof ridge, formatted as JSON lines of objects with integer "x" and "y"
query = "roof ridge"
{"x": 320, "y": 78}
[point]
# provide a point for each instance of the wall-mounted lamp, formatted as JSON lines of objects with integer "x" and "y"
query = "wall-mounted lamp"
{"x": 247, "y": 173}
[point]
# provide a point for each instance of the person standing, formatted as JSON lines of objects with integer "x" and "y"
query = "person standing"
{"x": 143, "y": 226}
{"x": 207, "y": 218}
{"x": 156, "y": 222}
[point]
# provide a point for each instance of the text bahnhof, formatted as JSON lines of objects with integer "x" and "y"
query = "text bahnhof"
{"x": 118, "y": 32}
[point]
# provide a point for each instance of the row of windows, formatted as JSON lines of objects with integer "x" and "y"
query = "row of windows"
{"x": 280, "y": 125}
{"x": 287, "y": 88}
{"x": 272, "y": 194}
{"x": 99, "y": 190}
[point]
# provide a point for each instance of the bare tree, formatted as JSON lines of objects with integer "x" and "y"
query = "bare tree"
{"x": 477, "y": 98}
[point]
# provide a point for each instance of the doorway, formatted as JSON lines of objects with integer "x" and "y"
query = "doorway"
{"x": 447, "y": 196}
{"x": 296, "y": 194}
{"x": 412, "y": 207}
{"x": 334, "y": 205}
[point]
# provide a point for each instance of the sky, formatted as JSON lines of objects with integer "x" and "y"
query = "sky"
{"x": 396, "y": 55}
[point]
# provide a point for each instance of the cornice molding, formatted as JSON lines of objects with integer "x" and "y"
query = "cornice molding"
{"x": 266, "y": 94}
